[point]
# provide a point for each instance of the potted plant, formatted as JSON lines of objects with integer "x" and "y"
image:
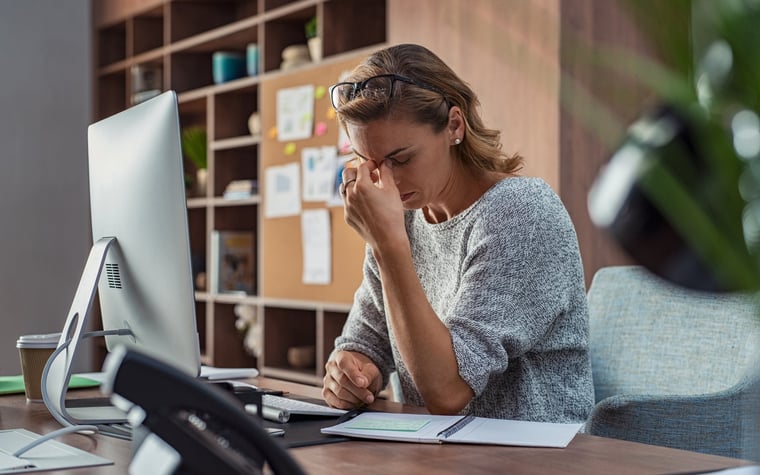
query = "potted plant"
{"x": 313, "y": 39}
{"x": 194, "y": 148}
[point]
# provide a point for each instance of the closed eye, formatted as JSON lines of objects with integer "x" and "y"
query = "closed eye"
{"x": 399, "y": 161}
{"x": 394, "y": 161}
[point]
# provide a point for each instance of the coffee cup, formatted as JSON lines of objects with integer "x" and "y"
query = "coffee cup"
{"x": 34, "y": 352}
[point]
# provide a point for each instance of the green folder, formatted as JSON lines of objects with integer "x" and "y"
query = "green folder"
{"x": 15, "y": 384}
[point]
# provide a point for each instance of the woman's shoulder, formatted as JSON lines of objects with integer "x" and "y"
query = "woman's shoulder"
{"x": 520, "y": 193}
{"x": 523, "y": 209}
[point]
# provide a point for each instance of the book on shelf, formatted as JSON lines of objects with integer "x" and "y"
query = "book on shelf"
{"x": 433, "y": 429}
{"x": 232, "y": 262}
{"x": 240, "y": 189}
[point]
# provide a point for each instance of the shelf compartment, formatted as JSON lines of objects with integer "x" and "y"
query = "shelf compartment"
{"x": 192, "y": 113}
{"x": 340, "y": 15}
{"x": 196, "y": 221}
{"x": 190, "y": 71}
{"x": 148, "y": 31}
{"x": 226, "y": 347}
{"x": 112, "y": 94}
{"x": 200, "y": 320}
{"x": 234, "y": 164}
{"x": 283, "y": 31}
{"x": 112, "y": 44}
{"x": 237, "y": 218}
{"x": 231, "y": 113}
{"x": 193, "y": 18}
{"x": 285, "y": 328}
{"x": 192, "y": 62}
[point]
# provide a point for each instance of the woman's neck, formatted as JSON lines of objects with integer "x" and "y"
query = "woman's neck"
{"x": 461, "y": 195}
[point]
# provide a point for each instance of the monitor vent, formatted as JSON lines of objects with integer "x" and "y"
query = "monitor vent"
{"x": 114, "y": 278}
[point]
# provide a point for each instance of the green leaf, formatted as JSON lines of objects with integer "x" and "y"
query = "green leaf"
{"x": 194, "y": 146}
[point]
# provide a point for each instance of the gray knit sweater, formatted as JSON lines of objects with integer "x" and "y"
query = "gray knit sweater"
{"x": 505, "y": 276}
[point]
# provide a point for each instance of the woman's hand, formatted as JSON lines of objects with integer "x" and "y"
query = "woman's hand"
{"x": 351, "y": 380}
{"x": 372, "y": 203}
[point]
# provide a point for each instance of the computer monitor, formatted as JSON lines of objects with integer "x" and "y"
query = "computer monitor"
{"x": 140, "y": 260}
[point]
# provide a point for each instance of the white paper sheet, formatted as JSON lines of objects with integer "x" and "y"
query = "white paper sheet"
{"x": 317, "y": 253}
{"x": 318, "y": 166}
{"x": 295, "y": 113}
{"x": 282, "y": 197}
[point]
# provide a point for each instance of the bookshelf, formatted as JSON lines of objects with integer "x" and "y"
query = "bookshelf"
{"x": 171, "y": 43}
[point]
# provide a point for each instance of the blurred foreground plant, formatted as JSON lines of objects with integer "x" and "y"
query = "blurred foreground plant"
{"x": 681, "y": 194}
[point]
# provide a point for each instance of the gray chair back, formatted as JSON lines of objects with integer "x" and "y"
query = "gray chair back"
{"x": 648, "y": 336}
{"x": 674, "y": 367}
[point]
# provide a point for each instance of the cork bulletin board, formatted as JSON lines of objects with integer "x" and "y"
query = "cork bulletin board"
{"x": 281, "y": 246}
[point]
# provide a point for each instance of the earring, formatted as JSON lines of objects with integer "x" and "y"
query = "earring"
{"x": 457, "y": 141}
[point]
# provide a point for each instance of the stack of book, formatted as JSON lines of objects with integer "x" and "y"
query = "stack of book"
{"x": 240, "y": 189}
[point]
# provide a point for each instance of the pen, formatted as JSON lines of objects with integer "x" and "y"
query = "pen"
{"x": 352, "y": 413}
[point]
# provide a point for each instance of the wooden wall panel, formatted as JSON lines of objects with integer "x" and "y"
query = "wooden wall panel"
{"x": 508, "y": 51}
{"x": 587, "y": 24}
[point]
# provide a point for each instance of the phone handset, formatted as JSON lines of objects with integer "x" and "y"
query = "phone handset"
{"x": 207, "y": 427}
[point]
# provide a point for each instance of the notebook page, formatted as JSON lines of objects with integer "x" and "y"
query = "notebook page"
{"x": 509, "y": 432}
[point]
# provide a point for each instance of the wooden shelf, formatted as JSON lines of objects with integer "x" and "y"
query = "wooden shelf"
{"x": 179, "y": 37}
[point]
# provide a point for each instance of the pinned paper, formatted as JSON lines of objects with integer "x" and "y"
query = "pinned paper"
{"x": 318, "y": 170}
{"x": 282, "y": 191}
{"x": 317, "y": 254}
{"x": 295, "y": 113}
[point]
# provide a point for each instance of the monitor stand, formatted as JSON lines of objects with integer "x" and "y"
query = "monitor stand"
{"x": 57, "y": 372}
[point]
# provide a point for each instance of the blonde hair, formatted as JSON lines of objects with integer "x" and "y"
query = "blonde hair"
{"x": 481, "y": 146}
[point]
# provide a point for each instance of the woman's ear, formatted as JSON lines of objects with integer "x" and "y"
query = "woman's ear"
{"x": 456, "y": 124}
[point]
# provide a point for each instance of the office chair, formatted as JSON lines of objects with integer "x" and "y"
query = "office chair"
{"x": 672, "y": 366}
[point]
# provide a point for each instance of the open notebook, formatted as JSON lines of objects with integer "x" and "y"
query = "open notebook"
{"x": 426, "y": 428}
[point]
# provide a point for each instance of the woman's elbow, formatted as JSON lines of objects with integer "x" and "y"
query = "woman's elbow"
{"x": 450, "y": 402}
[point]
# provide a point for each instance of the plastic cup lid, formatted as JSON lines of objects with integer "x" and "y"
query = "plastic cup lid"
{"x": 48, "y": 340}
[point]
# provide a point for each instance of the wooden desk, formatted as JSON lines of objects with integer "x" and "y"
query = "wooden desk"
{"x": 585, "y": 455}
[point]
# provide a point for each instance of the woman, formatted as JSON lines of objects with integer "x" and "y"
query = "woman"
{"x": 473, "y": 289}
